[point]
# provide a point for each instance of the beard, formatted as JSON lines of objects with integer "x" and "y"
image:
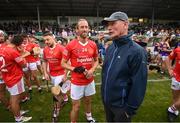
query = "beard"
{"x": 51, "y": 45}
{"x": 84, "y": 35}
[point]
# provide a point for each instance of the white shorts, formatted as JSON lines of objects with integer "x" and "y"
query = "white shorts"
{"x": 17, "y": 88}
{"x": 175, "y": 85}
{"x": 77, "y": 91}
{"x": 30, "y": 66}
{"x": 55, "y": 80}
{"x": 26, "y": 68}
{"x": 1, "y": 81}
{"x": 38, "y": 62}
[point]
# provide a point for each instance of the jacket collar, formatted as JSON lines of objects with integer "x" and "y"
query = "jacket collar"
{"x": 122, "y": 40}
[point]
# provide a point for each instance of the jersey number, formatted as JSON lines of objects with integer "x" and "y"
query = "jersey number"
{"x": 2, "y": 64}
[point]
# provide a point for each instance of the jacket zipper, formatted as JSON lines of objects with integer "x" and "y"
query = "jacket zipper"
{"x": 105, "y": 88}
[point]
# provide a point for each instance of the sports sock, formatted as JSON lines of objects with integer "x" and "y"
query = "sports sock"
{"x": 89, "y": 116}
{"x": 173, "y": 109}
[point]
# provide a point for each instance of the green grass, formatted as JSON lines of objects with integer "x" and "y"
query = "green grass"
{"x": 153, "y": 109}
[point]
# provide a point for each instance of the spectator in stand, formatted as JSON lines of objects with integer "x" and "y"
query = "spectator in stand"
{"x": 64, "y": 33}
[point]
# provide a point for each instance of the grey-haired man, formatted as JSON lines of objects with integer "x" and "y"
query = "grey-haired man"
{"x": 124, "y": 73}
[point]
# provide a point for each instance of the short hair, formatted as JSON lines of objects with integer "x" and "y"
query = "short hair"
{"x": 48, "y": 33}
{"x": 17, "y": 40}
{"x": 24, "y": 35}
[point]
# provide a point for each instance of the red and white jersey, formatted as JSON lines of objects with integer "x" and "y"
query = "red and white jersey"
{"x": 54, "y": 56}
{"x": 81, "y": 54}
{"x": 37, "y": 57}
{"x": 10, "y": 65}
{"x": 29, "y": 47}
{"x": 175, "y": 54}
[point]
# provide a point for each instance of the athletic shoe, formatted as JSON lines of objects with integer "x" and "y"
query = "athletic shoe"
{"x": 24, "y": 119}
{"x": 171, "y": 116}
{"x": 39, "y": 89}
{"x": 30, "y": 90}
{"x": 92, "y": 121}
{"x": 22, "y": 112}
{"x": 25, "y": 99}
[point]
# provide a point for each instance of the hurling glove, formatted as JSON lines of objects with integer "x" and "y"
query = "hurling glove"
{"x": 79, "y": 69}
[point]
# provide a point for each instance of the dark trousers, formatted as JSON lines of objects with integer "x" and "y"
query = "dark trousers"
{"x": 114, "y": 114}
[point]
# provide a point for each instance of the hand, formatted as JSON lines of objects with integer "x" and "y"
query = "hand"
{"x": 79, "y": 69}
{"x": 89, "y": 73}
{"x": 170, "y": 72}
{"x": 20, "y": 48}
{"x": 127, "y": 115}
{"x": 46, "y": 76}
{"x": 124, "y": 117}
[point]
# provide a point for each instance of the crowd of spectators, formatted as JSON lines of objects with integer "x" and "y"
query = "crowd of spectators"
{"x": 143, "y": 34}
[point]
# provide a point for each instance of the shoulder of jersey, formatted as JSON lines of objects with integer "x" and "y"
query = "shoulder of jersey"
{"x": 72, "y": 43}
{"x": 178, "y": 49}
{"x": 92, "y": 43}
{"x": 46, "y": 47}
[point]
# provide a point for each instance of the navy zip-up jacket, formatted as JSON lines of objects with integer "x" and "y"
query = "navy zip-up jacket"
{"x": 124, "y": 75}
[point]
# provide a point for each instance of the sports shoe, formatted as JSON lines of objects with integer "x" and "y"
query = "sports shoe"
{"x": 171, "y": 116}
{"x": 22, "y": 112}
{"x": 30, "y": 90}
{"x": 39, "y": 89}
{"x": 24, "y": 119}
{"x": 25, "y": 99}
{"x": 92, "y": 121}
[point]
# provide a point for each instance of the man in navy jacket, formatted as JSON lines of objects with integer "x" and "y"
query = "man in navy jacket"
{"x": 124, "y": 74}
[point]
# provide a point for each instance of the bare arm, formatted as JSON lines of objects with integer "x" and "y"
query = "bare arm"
{"x": 90, "y": 72}
{"x": 95, "y": 64}
{"x": 44, "y": 66}
{"x": 169, "y": 66}
{"x": 24, "y": 54}
{"x": 65, "y": 65}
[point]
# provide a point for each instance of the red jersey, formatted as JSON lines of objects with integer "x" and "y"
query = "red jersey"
{"x": 37, "y": 57}
{"x": 175, "y": 54}
{"x": 29, "y": 47}
{"x": 54, "y": 56}
{"x": 10, "y": 61}
{"x": 2, "y": 45}
{"x": 81, "y": 55}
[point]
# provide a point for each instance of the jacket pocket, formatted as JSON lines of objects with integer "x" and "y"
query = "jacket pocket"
{"x": 119, "y": 95}
{"x": 123, "y": 95}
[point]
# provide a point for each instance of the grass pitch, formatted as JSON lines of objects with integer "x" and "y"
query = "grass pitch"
{"x": 157, "y": 99}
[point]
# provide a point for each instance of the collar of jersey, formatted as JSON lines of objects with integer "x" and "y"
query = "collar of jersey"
{"x": 84, "y": 43}
{"x": 53, "y": 47}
